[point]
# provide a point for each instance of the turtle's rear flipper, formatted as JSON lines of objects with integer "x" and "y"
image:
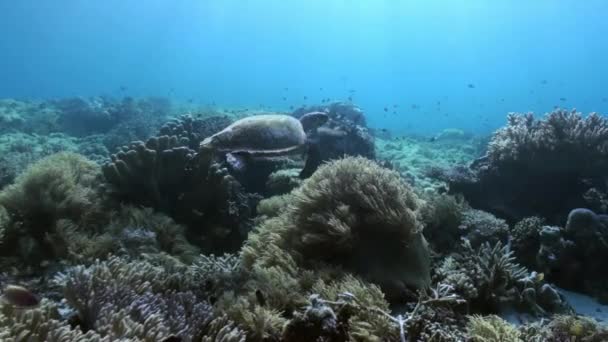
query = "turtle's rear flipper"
{"x": 313, "y": 160}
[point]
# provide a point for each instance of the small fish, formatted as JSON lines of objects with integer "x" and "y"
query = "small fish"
{"x": 415, "y": 106}
{"x": 291, "y": 107}
{"x": 394, "y": 112}
{"x": 286, "y": 89}
{"x": 321, "y": 89}
{"x": 305, "y": 97}
{"x": 19, "y": 296}
{"x": 190, "y": 100}
{"x": 172, "y": 338}
{"x": 284, "y": 98}
{"x": 350, "y": 98}
{"x": 395, "y": 106}
{"x": 123, "y": 88}
{"x": 563, "y": 99}
{"x": 260, "y": 297}
{"x": 471, "y": 85}
{"x": 543, "y": 82}
{"x": 385, "y": 109}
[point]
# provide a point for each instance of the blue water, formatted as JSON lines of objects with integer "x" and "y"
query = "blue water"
{"x": 518, "y": 55}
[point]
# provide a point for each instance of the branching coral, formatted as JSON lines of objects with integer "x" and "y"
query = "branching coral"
{"x": 492, "y": 329}
{"x": 145, "y": 300}
{"x": 42, "y": 324}
{"x": 576, "y": 328}
{"x": 361, "y": 323}
{"x": 539, "y": 167}
{"x": 488, "y": 277}
{"x": 479, "y": 227}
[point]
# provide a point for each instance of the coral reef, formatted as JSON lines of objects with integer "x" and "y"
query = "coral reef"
{"x": 345, "y": 133}
{"x": 112, "y": 252}
{"x": 165, "y": 174}
{"x": 85, "y": 116}
{"x": 19, "y": 150}
{"x": 354, "y": 214}
{"x": 538, "y": 167}
{"x": 29, "y": 117}
{"x": 492, "y": 329}
{"x": 282, "y": 181}
{"x": 418, "y": 158}
{"x": 570, "y": 256}
{"x": 480, "y": 227}
{"x": 489, "y": 278}
{"x": 61, "y": 187}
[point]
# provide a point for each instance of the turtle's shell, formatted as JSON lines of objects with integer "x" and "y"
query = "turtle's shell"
{"x": 272, "y": 134}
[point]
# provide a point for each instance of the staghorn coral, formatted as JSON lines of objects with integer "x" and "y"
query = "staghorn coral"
{"x": 488, "y": 277}
{"x": 145, "y": 300}
{"x": 363, "y": 324}
{"x": 539, "y": 167}
{"x": 59, "y": 187}
{"x": 42, "y": 324}
{"x": 222, "y": 329}
{"x": 492, "y": 329}
{"x": 130, "y": 225}
{"x": 318, "y": 322}
{"x": 576, "y": 328}
{"x": 479, "y": 227}
{"x": 355, "y": 214}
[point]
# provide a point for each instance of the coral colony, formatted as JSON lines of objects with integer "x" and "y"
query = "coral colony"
{"x": 128, "y": 220}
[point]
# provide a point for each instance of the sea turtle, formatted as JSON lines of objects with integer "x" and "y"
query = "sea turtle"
{"x": 265, "y": 136}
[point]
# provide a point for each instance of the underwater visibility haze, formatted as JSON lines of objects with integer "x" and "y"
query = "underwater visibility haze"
{"x": 303, "y": 170}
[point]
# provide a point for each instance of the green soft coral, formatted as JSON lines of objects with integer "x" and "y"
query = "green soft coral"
{"x": 60, "y": 187}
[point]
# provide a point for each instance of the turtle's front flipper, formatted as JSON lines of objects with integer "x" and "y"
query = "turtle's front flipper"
{"x": 237, "y": 162}
{"x": 313, "y": 160}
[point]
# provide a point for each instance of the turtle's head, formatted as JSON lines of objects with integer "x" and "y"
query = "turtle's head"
{"x": 313, "y": 120}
